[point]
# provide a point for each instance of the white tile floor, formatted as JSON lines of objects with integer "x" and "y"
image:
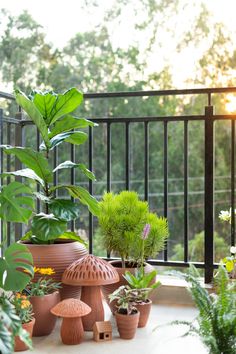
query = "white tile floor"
{"x": 164, "y": 340}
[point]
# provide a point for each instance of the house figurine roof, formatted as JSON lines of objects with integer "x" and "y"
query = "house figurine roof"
{"x": 102, "y": 331}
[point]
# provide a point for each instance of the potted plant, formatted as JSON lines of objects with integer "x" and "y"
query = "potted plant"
{"x": 216, "y": 320}
{"x": 24, "y": 311}
{"x": 48, "y": 239}
{"x": 43, "y": 295}
{"x": 127, "y": 316}
{"x": 122, "y": 220}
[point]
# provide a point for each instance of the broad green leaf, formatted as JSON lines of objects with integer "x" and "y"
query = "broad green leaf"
{"x": 70, "y": 137}
{"x": 81, "y": 166}
{"x": 77, "y": 138}
{"x": 16, "y": 267}
{"x": 27, "y": 173}
{"x": 33, "y": 113}
{"x": 45, "y": 102}
{"x": 68, "y": 123}
{"x": 65, "y": 103}
{"x": 32, "y": 159}
{"x": 47, "y": 227}
{"x": 13, "y": 204}
{"x": 64, "y": 209}
{"x": 83, "y": 195}
{"x": 42, "y": 197}
{"x": 70, "y": 235}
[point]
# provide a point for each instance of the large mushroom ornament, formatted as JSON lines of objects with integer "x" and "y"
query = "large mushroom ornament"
{"x": 71, "y": 310}
{"x": 91, "y": 272}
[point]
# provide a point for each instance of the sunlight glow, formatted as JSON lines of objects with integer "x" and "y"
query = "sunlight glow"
{"x": 231, "y": 103}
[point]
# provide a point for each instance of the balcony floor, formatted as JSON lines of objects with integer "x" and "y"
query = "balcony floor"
{"x": 164, "y": 340}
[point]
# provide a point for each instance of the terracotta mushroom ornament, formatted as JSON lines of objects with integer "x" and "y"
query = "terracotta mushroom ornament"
{"x": 90, "y": 272}
{"x": 71, "y": 310}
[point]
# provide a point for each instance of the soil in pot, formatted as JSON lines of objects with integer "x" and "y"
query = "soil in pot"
{"x": 19, "y": 345}
{"x": 44, "y": 320}
{"x": 58, "y": 256}
{"x": 127, "y": 324}
{"x": 144, "y": 308}
{"x": 109, "y": 289}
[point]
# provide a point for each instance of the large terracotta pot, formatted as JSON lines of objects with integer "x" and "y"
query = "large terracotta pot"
{"x": 58, "y": 256}
{"x": 44, "y": 320}
{"x": 19, "y": 345}
{"x": 127, "y": 324}
{"x": 144, "y": 308}
{"x": 108, "y": 289}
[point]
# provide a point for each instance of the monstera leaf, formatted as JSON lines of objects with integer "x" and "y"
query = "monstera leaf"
{"x": 14, "y": 206}
{"x": 64, "y": 209}
{"x": 16, "y": 268}
{"x": 47, "y": 227}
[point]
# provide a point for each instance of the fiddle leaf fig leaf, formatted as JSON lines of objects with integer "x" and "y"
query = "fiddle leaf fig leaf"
{"x": 70, "y": 137}
{"x": 16, "y": 267}
{"x": 68, "y": 123}
{"x": 14, "y": 206}
{"x": 64, "y": 209}
{"x": 45, "y": 102}
{"x": 26, "y": 173}
{"x": 83, "y": 195}
{"x": 70, "y": 235}
{"x": 33, "y": 113}
{"x": 81, "y": 166}
{"x": 47, "y": 227}
{"x": 34, "y": 160}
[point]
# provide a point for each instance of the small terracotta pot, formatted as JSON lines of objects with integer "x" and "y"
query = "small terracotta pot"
{"x": 144, "y": 308}
{"x": 44, "y": 320}
{"x": 109, "y": 289}
{"x": 58, "y": 256}
{"x": 19, "y": 345}
{"x": 127, "y": 324}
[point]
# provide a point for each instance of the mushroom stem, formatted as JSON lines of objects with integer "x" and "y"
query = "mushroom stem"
{"x": 72, "y": 331}
{"x": 91, "y": 295}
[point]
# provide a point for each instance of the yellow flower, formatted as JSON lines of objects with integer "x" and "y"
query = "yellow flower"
{"x": 46, "y": 271}
{"x": 36, "y": 269}
{"x": 25, "y": 304}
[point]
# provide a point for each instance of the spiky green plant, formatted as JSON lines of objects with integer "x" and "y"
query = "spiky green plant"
{"x": 216, "y": 321}
{"x": 122, "y": 218}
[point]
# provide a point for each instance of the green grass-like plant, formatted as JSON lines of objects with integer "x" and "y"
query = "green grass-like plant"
{"x": 122, "y": 218}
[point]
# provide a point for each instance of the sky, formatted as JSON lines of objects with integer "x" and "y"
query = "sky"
{"x": 62, "y": 20}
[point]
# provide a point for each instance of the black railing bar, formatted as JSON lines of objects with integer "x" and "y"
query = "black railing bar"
{"x": 186, "y": 214}
{"x": 7, "y": 96}
{"x": 127, "y": 156}
{"x": 1, "y": 171}
{"x": 159, "y": 92}
{"x": 11, "y": 120}
{"x": 165, "y": 166}
{"x": 38, "y": 188}
{"x": 108, "y": 157}
{"x": 90, "y": 189}
{"x": 146, "y": 161}
{"x": 232, "y": 239}
{"x": 72, "y": 179}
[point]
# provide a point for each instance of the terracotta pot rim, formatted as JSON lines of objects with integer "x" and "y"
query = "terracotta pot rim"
{"x": 27, "y": 323}
{"x": 46, "y": 295}
{"x": 118, "y": 264}
{"x": 56, "y": 244}
{"x": 137, "y": 312}
{"x": 147, "y": 302}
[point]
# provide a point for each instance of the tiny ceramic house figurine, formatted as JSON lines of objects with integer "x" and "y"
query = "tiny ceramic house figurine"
{"x": 102, "y": 331}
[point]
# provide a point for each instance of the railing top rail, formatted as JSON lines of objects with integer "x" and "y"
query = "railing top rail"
{"x": 150, "y": 93}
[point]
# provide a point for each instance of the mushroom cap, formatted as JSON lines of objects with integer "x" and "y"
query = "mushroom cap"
{"x": 71, "y": 308}
{"x": 90, "y": 271}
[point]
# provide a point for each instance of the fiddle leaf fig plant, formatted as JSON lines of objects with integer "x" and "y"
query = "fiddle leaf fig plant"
{"x": 51, "y": 114}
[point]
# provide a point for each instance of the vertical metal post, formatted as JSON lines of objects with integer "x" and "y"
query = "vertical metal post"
{"x": 108, "y": 157}
{"x": 18, "y": 166}
{"x": 1, "y": 170}
{"x": 38, "y": 187}
{"x": 146, "y": 161}
{"x": 232, "y": 239}
{"x": 8, "y": 125}
{"x": 90, "y": 189}
{"x": 186, "y": 218}
{"x": 209, "y": 193}
{"x": 127, "y": 156}
{"x": 72, "y": 179}
{"x": 166, "y": 181}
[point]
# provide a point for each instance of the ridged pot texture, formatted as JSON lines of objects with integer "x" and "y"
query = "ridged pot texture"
{"x": 127, "y": 324}
{"x": 58, "y": 256}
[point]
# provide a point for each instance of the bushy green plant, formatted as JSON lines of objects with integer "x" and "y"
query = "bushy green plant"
{"x": 23, "y": 307}
{"x": 44, "y": 285}
{"x": 122, "y": 218}
{"x": 125, "y": 297}
{"x": 51, "y": 114}
{"x": 216, "y": 321}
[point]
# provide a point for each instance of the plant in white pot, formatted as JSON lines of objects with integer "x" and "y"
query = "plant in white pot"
{"x": 48, "y": 237}
{"x": 122, "y": 219}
